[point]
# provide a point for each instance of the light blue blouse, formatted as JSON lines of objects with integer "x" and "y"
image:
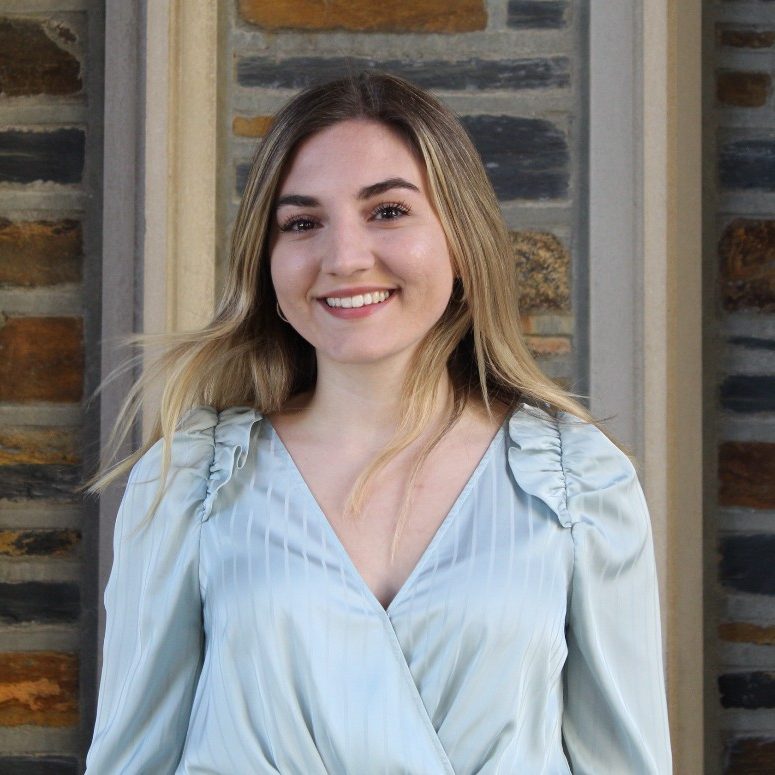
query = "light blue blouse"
{"x": 241, "y": 639}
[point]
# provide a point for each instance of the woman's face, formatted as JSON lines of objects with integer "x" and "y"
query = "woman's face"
{"x": 358, "y": 257}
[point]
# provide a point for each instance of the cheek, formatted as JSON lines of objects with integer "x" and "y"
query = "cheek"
{"x": 288, "y": 273}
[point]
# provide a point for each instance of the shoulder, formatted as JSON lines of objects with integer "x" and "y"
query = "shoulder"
{"x": 568, "y": 463}
{"x": 205, "y": 446}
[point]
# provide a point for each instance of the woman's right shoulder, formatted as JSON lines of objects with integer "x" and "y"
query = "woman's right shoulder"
{"x": 207, "y": 445}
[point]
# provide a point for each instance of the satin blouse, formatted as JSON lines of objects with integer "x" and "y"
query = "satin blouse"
{"x": 241, "y": 639}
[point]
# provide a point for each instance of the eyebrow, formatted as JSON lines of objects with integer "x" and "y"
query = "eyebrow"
{"x": 365, "y": 193}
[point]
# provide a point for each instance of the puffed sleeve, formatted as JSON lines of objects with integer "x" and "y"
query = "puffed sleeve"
{"x": 615, "y": 711}
{"x": 152, "y": 654}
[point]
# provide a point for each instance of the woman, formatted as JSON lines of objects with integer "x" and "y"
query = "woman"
{"x": 387, "y": 543}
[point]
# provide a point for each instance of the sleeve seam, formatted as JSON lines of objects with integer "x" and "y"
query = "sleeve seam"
{"x": 562, "y": 471}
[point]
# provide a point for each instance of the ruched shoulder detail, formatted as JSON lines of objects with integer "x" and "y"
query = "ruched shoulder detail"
{"x": 228, "y": 435}
{"x": 535, "y": 458}
{"x": 560, "y": 459}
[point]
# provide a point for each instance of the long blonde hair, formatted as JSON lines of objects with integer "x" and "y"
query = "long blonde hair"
{"x": 248, "y": 356}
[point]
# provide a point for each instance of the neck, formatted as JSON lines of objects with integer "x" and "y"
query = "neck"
{"x": 362, "y": 401}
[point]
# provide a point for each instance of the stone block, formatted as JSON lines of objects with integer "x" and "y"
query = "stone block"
{"x": 548, "y": 346}
{"x": 472, "y": 74}
{"x": 31, "y": 482}
{"x": 744, "y": 38}
{"x": 36, "y": 253}
{"x": 251, "y": 126}
{"x": 746, "y": 563}
{"x": 537, "y": 14}
{"x": 748, "y": 690}
{"x": 749, "y": 756}
{"x": 544, "y": 267}
{"x": 747, "y": 164}
{"x": 746, "y": 632}
{"x": 747, "y": 474}
{"x": 42, "y": 602}
{"x": 39, "y": 688}
{"x": 366, "y": 15}
{"x": 743, "y": 89}
{"x": 39, "y": 542}
{"x": 38, "y": 765}
{"x": 744, "y": 393}
{"x": 747, "y": 252}
{"x": 33, "y": 59}
{"x": 41, "y": 359}
{"x": 38, "y": 445}
{"x": 525, "y": 158}
{"x": 55, "y": 156}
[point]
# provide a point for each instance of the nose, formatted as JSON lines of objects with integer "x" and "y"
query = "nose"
{"x": 347, "y": 249}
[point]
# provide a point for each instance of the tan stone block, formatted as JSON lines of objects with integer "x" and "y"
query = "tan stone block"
{"x": 745, "y": 632}
{"x": 33, "y": 59}
{"x": 747, "y": 474}
{"x": 251, "y": 126}
{"x": 39, "y": 446}
{"x": 40, "y": 252}
{"x": 543, "y": 265}
{"x": 38, "y": 542}
{"x": 548, "y": 346}
{"x": 366, "y": 15}
{"x": 39, "y": 688}
{"x": 41, "y": 359}
{"x": 745, "y": 38}
{"x": 743, "y": 89}
{"x": 747, "y": 252}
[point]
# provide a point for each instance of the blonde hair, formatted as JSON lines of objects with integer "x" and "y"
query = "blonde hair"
{"x": 248, "y": 356}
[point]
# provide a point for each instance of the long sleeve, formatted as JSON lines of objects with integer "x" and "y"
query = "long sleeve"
{"x": 615, "y": 712}
{"x": 152, "y": 654}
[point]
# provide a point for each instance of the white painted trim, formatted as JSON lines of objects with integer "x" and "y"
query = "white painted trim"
{"x": 645, "y": 302}
{"x": 180, "y": 171}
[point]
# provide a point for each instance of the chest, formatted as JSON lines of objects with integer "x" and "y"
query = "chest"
{"x": 368, "y": 538}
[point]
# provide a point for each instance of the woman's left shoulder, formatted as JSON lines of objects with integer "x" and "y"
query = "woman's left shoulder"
{"x": 571, "y": 465}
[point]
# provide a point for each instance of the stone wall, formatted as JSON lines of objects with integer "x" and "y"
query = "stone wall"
{"x": 512, "y": 70}
{"x": 50, "y": 114}
{"x": 744, "y": 241}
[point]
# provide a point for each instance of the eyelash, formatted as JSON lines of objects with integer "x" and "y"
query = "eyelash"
{"x": 294, "y": 220}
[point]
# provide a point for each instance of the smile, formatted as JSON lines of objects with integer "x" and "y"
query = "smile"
{"x": 360, "y": 300}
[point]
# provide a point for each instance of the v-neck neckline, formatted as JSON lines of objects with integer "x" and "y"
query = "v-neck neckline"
{"x": 432, "y": 544}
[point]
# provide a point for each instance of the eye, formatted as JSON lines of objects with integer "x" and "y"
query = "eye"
{"x": 390, "y": 211}
{"x": 298, "y": 223}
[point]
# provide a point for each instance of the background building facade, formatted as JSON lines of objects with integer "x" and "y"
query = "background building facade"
{"x": 631, "y": 147}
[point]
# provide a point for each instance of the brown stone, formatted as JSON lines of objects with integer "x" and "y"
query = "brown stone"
{"x": 39, "y": 688}
{"x": 747, "y": 474}
{"x": 747, "y": 252}
{"x": 548, "y": 346}
{"x": 38, "y": 446}
{"x": 251, "y": 126}
{"x": 32, "y": 61}
{"x": 40, "y": 252}
{"x": 750, "y": 756}
{"x": 366, "y": 15}
{"x": 745, "y": 38}
{"x": 745, "y": 632}
{"x": 743, "y": 89}
{"x": 39, "y": 542}
{"x": 41, "y": 359}
{"x": 543, "y": 265}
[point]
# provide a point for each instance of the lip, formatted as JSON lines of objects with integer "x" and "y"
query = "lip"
{"x": 350, "y": 313}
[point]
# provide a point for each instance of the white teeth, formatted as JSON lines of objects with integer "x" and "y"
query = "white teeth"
{"x": 361, "y": 300}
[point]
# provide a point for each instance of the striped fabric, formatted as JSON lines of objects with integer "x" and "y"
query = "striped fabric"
{"x": 242, "y": 639}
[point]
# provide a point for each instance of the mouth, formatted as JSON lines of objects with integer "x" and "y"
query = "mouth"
{"x": 358, "y": 300}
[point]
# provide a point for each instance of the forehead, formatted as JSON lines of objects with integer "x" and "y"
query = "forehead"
{"x": 352, "y": 153}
